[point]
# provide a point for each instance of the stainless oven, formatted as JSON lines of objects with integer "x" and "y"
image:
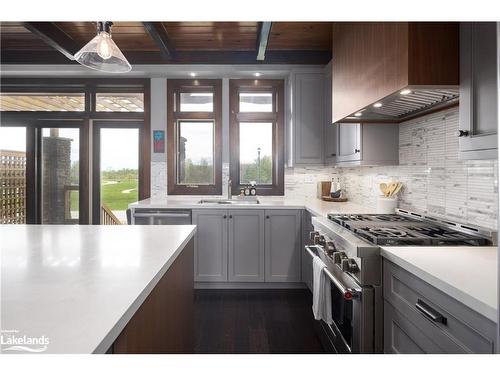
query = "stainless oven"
{"x": 352, "y": 330}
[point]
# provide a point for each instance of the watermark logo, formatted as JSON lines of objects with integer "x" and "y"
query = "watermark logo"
{"x": 15, "y": 341}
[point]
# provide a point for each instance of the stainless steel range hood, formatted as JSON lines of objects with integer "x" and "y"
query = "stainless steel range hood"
{"x": 407, "y": 103}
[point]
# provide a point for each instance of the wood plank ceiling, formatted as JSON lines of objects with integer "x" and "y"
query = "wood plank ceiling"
{"x": 172, "y": 42}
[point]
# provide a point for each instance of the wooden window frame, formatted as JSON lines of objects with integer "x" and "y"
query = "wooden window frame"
{"x": 174, "y": 88}
{"x": 32, "y": 120}
{"x": 276, "y": 117}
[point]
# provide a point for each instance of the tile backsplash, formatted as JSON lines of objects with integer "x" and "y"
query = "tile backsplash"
{"x": 435, "y": 180}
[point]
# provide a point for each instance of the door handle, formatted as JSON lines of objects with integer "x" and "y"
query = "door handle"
{"x": 429, "y": 312}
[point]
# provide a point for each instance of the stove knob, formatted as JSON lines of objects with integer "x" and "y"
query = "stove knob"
{"x": 349, "y": 265}
{"x": 321, "y": 241}
{"x": 312, "y": 235}
{"x": 338, "y": 256}
{"x": 330, "y": 248}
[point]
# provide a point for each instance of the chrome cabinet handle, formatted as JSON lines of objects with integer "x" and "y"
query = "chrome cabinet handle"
{"x": 429, "y": 312}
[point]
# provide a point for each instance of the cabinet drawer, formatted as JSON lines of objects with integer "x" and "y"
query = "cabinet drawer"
{"x": 464, "y": 331}
{"x": 403, "y": 337}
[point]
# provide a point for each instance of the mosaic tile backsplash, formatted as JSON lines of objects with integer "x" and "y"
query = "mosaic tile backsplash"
{"x": 435, "y": 180}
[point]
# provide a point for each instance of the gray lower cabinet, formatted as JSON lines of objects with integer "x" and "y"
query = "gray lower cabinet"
{"x": 283, "y": 245}
{"x": 418, "y": 318}
{"x": 211, "y": 245}
{"x": 246, "y": 245}
{"x": 306, "y": 259}
{"x": 367, "y": 144}
{"x": 478, "y": 90}
{"x": 309, "y": 117}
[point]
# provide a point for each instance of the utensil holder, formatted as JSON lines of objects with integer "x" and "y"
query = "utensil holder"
{"x": 387, "y": 205}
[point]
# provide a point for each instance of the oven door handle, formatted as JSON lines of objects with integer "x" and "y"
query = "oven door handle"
{"x": 348, "y": 293}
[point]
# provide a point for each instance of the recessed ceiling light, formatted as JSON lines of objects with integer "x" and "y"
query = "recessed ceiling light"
{"x": 192, "y": 74}
{"x": 377, "y": 105}
{"x": 358, "y": 114}
{"x": 257, "y": 74}
{"x": 405, "y": 92}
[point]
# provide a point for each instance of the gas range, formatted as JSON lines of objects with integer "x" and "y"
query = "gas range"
{"x": 349, "y": 246}
{"x": 407, "y": 228}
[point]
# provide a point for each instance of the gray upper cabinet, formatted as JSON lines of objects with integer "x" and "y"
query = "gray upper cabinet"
{"x": 367, "y": 144}
{"x": 210, "y": 246}
{"x": 283, "y": 245}
{"x": 349, "y": 137}
{"x": 246, "y": 245}
{"x": 478, "y": 90}
{"x": 309, "y": 118}
{"x": 330, "y": 130}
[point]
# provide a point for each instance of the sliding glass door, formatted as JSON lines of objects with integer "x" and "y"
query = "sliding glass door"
{"x": 116, "y": 170}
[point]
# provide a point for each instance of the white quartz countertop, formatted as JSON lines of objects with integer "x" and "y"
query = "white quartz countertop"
{"x": 468, "y": 274}
{"x": 315, "y": 206}
{"x": 78, "y": 286}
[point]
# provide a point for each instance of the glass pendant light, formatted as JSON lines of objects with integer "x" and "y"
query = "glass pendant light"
{"x": 102, "y": 54}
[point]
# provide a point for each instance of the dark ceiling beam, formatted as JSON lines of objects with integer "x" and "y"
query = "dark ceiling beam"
{"x": 264, "y": 32}
{"x": 159, "y": 34}
{"x": 182, "y": 57}
{"x": 54, "y": 37}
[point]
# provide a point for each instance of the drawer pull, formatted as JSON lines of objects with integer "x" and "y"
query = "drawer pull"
{"x": 429, "y": 312}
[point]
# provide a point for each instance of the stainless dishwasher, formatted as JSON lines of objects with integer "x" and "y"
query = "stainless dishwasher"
{"x": 147, "y": 216}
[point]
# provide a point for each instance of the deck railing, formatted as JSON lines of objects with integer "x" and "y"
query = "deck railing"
{"x": 108, "y": 217}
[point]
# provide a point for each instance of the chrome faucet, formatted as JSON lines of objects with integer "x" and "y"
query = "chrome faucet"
{"x": 229, "y": 186}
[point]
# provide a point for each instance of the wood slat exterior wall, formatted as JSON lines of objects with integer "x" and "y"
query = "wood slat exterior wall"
{"x": 12, "y": 187}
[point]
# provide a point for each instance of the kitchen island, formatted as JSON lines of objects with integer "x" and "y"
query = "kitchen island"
{"x": 96, "y": 289}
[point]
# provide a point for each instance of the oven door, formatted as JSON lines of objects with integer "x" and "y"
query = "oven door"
{"x": 352, "y": 311}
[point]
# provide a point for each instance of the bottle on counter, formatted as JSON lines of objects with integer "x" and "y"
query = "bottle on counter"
{"x": 335, "y": 188}
{"x": 247, "y": 191}
{"x": 253, "y": 188}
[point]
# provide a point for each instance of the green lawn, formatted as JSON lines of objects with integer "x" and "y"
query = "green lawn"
{"x": 112, "y": 194}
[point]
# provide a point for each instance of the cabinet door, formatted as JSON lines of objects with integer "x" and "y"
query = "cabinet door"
{"x": 478, "y": 88}
{"x": 283, "y": 245}
{"x": 309, "y": 118}
{"x": 210, "y": 257}
{"x": 246, "y": 245}
{"x": 349, "y": 140}
{"x": 330, "y": 129}
{"x": 307, "y": 227}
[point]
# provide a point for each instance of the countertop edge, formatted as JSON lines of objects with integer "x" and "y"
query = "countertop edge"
{"x": 115, "y": 331}
{"x": 466, "y": 299}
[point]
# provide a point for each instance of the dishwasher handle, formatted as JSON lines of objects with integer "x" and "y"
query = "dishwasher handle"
{"x": 161, "y": 214}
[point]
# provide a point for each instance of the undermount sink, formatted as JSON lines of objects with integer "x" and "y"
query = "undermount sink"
{"x": 228, "y": 201}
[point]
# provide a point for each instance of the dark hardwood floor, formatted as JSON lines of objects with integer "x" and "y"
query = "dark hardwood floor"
{"x": 255, "y": 321}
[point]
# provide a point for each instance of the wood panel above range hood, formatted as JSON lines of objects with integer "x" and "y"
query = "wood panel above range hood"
{"x": 373, "y": 62}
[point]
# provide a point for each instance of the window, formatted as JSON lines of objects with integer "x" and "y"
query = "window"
{"x": 46, "y": 149}
{"x": 194, "y": 137}
{"x": 256, "y": 133}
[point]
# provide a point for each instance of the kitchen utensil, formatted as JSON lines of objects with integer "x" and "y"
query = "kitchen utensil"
{"x": 396, "y": 191}
{"x": 392, "y": 187}
{"x": 383, "y": 188}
